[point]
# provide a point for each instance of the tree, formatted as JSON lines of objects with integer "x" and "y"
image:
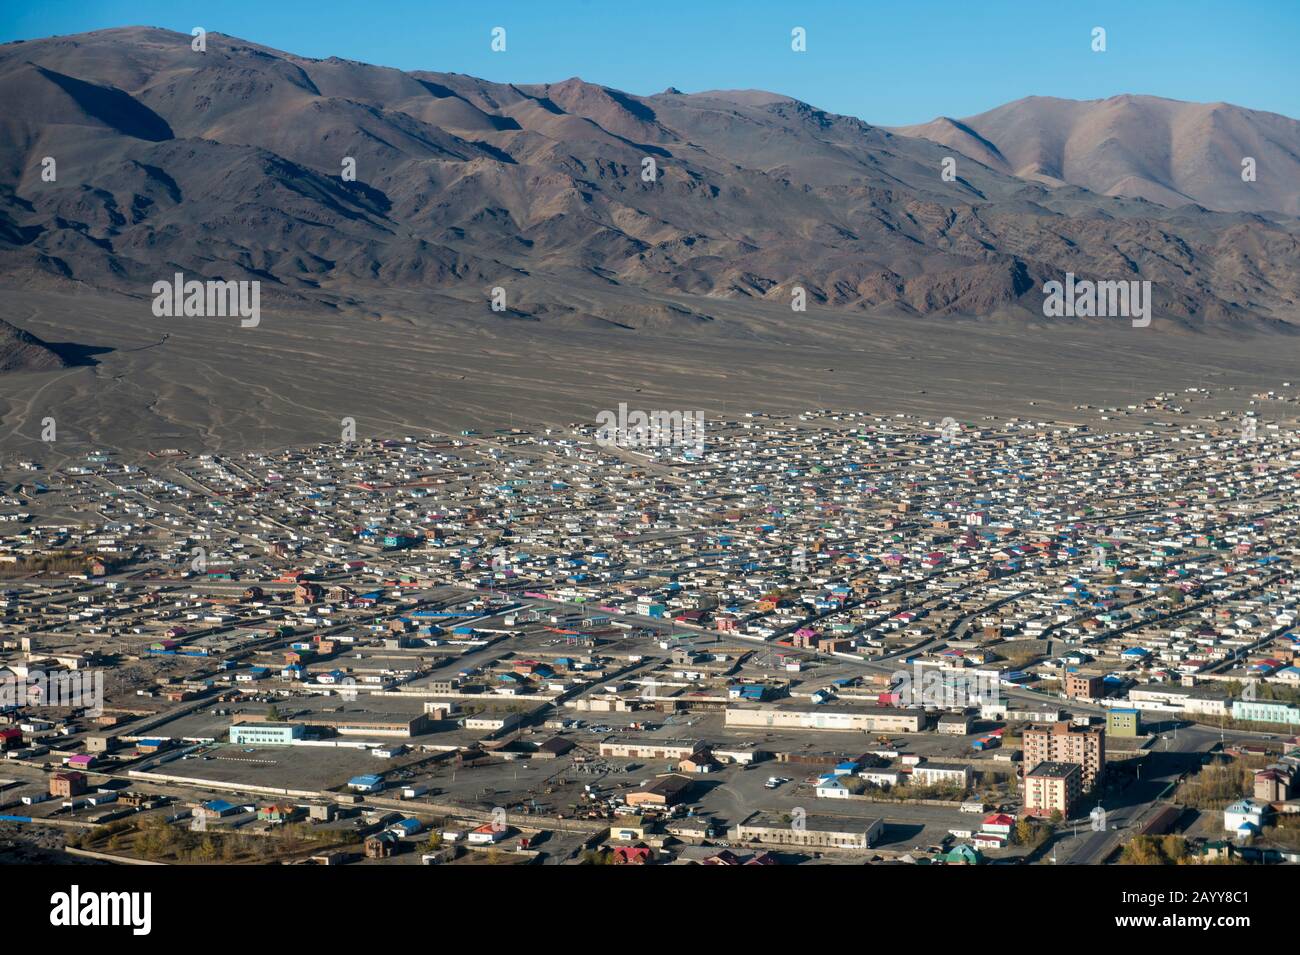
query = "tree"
{"x": 1024, "y": 834}
{"x": 1155, "y": 850}
{"x": 207, "y": 850}
{"x": 1141, "y": 850}
{"x": 1174, "y": 848}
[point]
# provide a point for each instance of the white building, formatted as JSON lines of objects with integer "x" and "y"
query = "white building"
{"x": 1243, "y": 812}
{"x": 832, "y": 788}
{"x": 941, "y": 774}
{"x": 486, "y": 835}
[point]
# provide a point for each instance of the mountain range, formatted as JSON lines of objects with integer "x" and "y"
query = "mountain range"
{"x": 1143, "y": 147}
{"x": 229, "y": 164}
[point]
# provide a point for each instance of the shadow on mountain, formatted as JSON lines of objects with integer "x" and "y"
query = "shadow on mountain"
{"x": 112, "y": 107}
{"x": 75, "y": 355}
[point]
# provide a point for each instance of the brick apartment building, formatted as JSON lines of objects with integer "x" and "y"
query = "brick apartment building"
{"x": 67, "y": 785}
{"x": 1084, "y": 686}
{"x": 1063, "y": 742}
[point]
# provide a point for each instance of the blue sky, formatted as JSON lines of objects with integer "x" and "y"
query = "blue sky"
{"x": 886, "y": 61}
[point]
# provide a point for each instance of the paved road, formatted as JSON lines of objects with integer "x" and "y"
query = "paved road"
{"x": 1169, "y": 759}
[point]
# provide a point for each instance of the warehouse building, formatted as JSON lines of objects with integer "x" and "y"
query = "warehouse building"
{"x": 1266, "y": 711}
{"x": 265, "y": 734}
{"x": 664, "y": 749}
{"x": 810, "y": 832}
{"x": 882, "y": 719}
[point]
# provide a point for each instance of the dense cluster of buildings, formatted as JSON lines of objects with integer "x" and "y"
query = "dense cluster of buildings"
{"x": 810, "y": 588}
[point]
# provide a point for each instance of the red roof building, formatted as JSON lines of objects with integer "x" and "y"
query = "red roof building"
{"x": 633, "y": 855}
{"x": 999, "y": 823}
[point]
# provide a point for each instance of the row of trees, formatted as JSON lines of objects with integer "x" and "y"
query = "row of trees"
{"x": 156, "y": 839}
{"x": 58, "y": 562}
{"x": 1157, "y": 850}
{"x": 1219, "y": 784}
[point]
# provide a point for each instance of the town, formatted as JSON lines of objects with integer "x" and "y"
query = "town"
{"x": 833, "y": 637}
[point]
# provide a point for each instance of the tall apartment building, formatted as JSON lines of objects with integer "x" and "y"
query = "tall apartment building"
{"x": 1063, "y": 742}
{"x": 1052, "y": 787}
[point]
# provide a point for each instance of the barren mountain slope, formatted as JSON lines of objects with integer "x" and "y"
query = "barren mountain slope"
{"x": 1162, "y": 150}
{"x": 227, "y": 164}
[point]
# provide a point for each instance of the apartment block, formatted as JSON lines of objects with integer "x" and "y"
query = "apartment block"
{"x": 1083, "y": 686}
{"x": 1063, "y": 742}
{"x": 1053, "y": 787}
